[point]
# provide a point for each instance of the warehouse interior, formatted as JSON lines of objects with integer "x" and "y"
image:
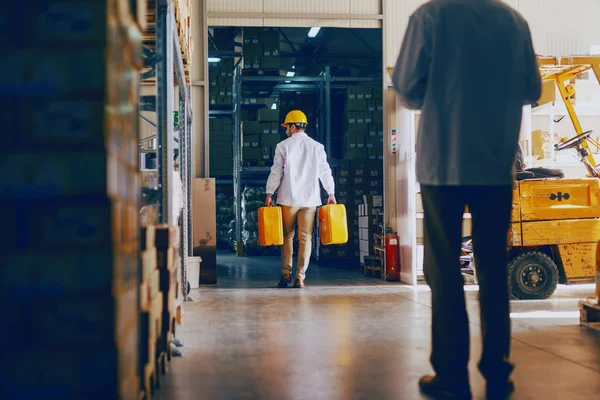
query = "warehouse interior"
{"x": 139, "y": 136}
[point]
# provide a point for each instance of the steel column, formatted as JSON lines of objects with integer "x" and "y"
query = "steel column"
{"x": 164, "y": 105}
{"x": 327, "y": 110}
{"x": 237, "y": 160}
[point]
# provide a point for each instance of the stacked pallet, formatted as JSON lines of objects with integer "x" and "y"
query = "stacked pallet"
{"x": 183, "y": 20}
{"x": 182, "y": 10}
{"x": 167, "y": 246}
{"x": 151, "y": 303}
{"x": 69, "y": 201}
{"x": 159, "y": 293}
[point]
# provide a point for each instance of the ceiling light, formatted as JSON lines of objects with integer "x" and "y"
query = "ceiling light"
{"x": 314, "y": 31}
{"x": 214, "y": 59}
{"x": 288, "y": 81}
{"x": 290, "y": 73}
{"x": 274, "y": 106}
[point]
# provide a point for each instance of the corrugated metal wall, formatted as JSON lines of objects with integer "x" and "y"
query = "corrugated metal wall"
{"x": 235, "y": 6}
{"x": 562, "y": 27}
{"x": 342, "y": 9}
{"x": 558, "y": 27}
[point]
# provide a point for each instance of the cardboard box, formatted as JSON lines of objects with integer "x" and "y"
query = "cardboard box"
{"x": 343, "y": 182}
{"x": 204, "y": 227}
{"x": 356, "y": 105}
{"x": 55, "y": 122}
{"x": 548, "y": 94}
{"x": 41, "y": 174}
{"x": 359, "y": 181}
{"x": 251, "y": 141}
{"x": 252, "y": 154}
{"x": 360, "y": 171}
{"x": 48, "y": 24}
{"x": 270, "y": 62}
{"x": 275, "y": 128}
{"x": 60, "y": 225}
{"x": 343, "y": 172}
{"x": 265, "y": 128}
{"x": 351, "y": 92}
{"x": 252, "y": 50}
{"x": 267, "y": 153}
{"x": 419, "y": 203}
{"x": 270, "y": 140}
{"x": 252, "y": 127}
{"x": 537, "y": 144}
{"x": 356, "y": 154}
{"x": 149, "y": 263}
{"x": 268, "y": 115}
{"x": 224, "y": 100}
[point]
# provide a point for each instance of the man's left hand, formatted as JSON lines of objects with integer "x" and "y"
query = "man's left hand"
{"x": 331, "y": 199}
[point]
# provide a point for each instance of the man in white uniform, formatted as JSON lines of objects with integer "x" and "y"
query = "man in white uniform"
{"x": 469, "y": 65}
{"x": 299, "y": 163}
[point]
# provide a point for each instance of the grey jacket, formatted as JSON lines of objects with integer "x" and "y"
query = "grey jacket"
{"x": 469, "y": 65}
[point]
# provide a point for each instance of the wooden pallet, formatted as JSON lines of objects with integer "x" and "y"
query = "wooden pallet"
{"x": 182, "y": 11}
{"x": 373, "y": 266}
{"x": 589, "y": 313}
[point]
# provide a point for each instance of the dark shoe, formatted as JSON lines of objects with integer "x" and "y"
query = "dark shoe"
{"x": 431, "y": 386}
{"x": 499, "y": 391}
{"x": 284, "y": 280}
{"x": 299, "y": 283}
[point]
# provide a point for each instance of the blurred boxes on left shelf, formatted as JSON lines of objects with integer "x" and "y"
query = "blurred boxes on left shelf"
{"x": 69, "y": 200}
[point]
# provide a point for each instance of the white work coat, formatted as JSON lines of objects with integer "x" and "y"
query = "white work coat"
{"x": 299, "y": 164}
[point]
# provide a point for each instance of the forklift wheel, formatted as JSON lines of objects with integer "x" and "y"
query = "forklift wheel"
{"x": 532, "y": 276}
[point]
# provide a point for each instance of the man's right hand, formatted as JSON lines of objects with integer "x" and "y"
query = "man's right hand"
{"x": 269, "y": 201}
{"x": 331, "y": 199}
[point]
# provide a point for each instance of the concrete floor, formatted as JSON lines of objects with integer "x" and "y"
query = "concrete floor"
{"x": 349, "y": 337}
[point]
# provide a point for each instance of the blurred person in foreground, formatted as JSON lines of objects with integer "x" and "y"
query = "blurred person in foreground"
{"x": 470, "y": 67}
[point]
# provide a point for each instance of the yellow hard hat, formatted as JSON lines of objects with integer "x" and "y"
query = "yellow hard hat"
{"x": 295, "y": 117}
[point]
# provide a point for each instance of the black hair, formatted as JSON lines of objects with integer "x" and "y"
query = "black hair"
{"x": 300, "y": 125}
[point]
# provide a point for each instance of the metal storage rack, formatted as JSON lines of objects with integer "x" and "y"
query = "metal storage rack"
{"x": 166, "y": 62}
{"x": 323, "y": 84}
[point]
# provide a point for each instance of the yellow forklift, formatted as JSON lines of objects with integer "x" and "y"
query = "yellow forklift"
{"x": 556, "y": 221}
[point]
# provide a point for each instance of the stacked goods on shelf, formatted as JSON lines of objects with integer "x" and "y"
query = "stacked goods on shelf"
{"x": 260, "y": 138}
{"x": 160, "y": 302}
{"x": 225, "y": 214}
{"x": 221, "y": 146}
{"x": 252, "y": 199}
{"x": 352, "y": 183}
{"x": 69, "y": 201}
{"x": 220, "y": 77}
{"x": 364, "y": 124}
{"x": 370, "y": 214}
{"x": 183, "y": 19}
{"x": 261, "y": 49}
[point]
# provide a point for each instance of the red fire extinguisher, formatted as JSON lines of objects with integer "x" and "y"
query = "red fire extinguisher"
{"x": 392, "y": 257}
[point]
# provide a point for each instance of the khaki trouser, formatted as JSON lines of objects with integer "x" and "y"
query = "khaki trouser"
{"x": 304, "y": 218}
